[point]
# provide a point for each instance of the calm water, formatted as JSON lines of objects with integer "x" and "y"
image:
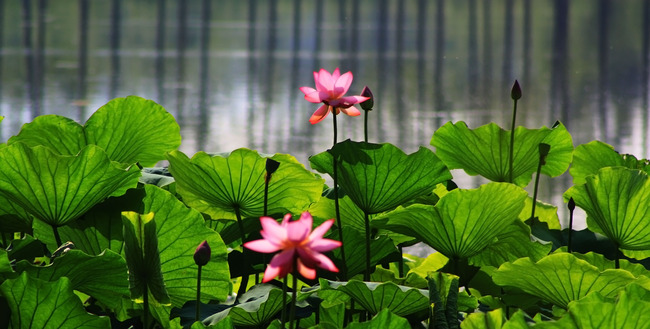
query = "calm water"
{"x": 229, "y": 70}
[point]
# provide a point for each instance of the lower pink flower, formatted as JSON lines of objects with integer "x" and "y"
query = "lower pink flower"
{"x": 297, "y": 244}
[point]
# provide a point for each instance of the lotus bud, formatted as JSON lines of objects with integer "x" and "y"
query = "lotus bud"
{"x": 368, "y": 104}
{"x": 202, "y": 254}
{"x": 515, "y": 93}
{"x": 271, "y": 167}
{"x": 572, "y": 204}
{"x": 543, "y": 152}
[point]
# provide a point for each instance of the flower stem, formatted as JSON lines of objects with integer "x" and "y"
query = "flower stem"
{"x": 344, "y": 270}
{"x": 198, "y": 295}
{"x": 512, "y": 143}
{"x": 244, "y": 278}
{"x": 292, "y": 314}
{"x": 571, "y": 206}
{"x": 283, "y": 315}
{"x": 57, "y": 237}
{"x": 145, "y": 306}
{"x": 365, "y": 127}
{"x": 366, "y": 275}
{"x": 401, "y": 261}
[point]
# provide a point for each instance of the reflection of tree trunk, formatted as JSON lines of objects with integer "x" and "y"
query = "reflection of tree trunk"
{"x": 402, "y": 116}
{"x": 83, "y": 60}
{"x": 343, "y": 35}
{"x": 115, "y": 47}
{"x": 293, "y": 79}
{"x": 472, "y": 57}
{"x": 508, "y": 33}
{"x": 382, "y": 48}
{"x": 645, "y": 78}
{"x": 39, "y": 56}
{"x": 29, "y": 58}
{"x": 603, "y": 72}
{"x": 438, "y": 95}
{"x": 269, "y": 68}
{"x": 2, "y": 33}
{"x": 204, "y": 69}
{"x": 354, "y": 37}
{"x": 180, "y": 60}
{"x": 486, "y": 89}
{"x": 527, "y": 51}
{"x": 251, "y": 76}
{"x": 160, "y": 51}
{"x": 559, "y": 80}
{"x": 421, "y": 50}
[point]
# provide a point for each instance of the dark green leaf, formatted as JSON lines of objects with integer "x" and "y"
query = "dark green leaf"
{"x": 142, "y": 257}
{"x": 103, "y": 277}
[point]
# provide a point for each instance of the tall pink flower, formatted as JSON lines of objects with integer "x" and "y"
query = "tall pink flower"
{"x": 330, "y": 90}
{"x": 297, "y": 244}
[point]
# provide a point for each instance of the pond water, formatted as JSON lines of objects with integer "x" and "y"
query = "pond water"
{"x": 229, "y": 70}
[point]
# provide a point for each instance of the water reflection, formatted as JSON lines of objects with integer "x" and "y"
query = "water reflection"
{"x": 229, "y": 70}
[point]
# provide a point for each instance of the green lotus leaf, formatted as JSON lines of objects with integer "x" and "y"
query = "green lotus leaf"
{"x": 380, "y": 177}
{"x": 351, "y": 215}
{"x": 375, "y": 296}
{"x": 40, "y": 304}
{"x": 179, "y": 231}
{"x": 591, "y": 157}
{"x": 57, "y": 188}
{"x": 561, "y": 278}
{"x": 62, "y": 135}
{"x": 355, "y": 250}
{"x": 13, "y": 218}
{"x": 631, "y": 309}
{"x": 616, "y": 203}
{"x": 6, "y": 271}
{"x": 512, "y": 243}
{"x": 479, "y": 320}
{"x": 485, "y": 150}
{"x": 446, "y": 299}
{"x": 221, "y": 185}
{"x": 130, "y": 130}
{"x": 142, "y": 257}
{"x": 258, "y": 305}
{"x": 103, "y": 277}
{"x": 544, "y": 212}
{"x": 464, "y": 222}
{"x": 384, "y": 319}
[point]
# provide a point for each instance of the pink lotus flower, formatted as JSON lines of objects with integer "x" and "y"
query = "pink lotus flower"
{"x": 330, "y": 90}
{"x": 298, "y": 244}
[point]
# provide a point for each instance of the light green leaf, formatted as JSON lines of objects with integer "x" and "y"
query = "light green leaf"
{"x": 561, "y": 278}
{"x": 142, "y": 257}
{"x": 258, "y": 305}
{"x": 479, "y": 320}
{"x": 220, "y": 185}
{"x": 380, "y": 177}
{"x": 545, "y": 213}
{"x": 384, "y": 319}
{"x": 130, "y": 130}
{"x": 589, "y": 158}
{"x": 485, "y": 150}
{"x": 57, "y": 189}
{"x": 616, "y": 203}
{"x": 179, "y": 231}
{"x": 512, "y": 243}
{"x": 374, "y": 296}
{"x": 464, "y": 222}
{"x": 355, "y": 250}
{"x": 40, "y": 304}
{"x": 103, "y": 277}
